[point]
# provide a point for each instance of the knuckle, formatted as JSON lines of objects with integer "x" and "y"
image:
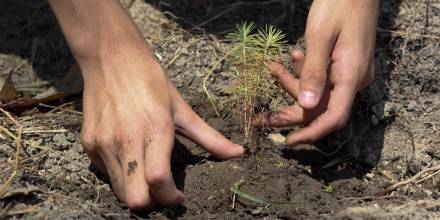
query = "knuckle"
{"x": 103, "y": 141}
{"x": 183, "y": 120}
{"x": 88, "y": 143}
{"x": 340, "y": 123}
{"x": 156, "y": 177}
{"x": 137, "y": 201}
{"x": 313, "y": 74}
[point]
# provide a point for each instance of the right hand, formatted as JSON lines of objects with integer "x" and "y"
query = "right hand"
{"x": 131, "y": 114}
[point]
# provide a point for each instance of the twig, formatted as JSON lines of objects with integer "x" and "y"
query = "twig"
{"x": 428, "y": 177}
{"x": 176, "y": 55}
{"x": 401, "y": 33}
{"x": 45, "y": 131}
{"x": 53, "y": 110}
{"x": 30, "y": 209}
{"x": 38, "y": 155}
{"x": 10, "y": 117}
{"x": 27, "y": 103}
{"x": 60, "y": 108}
{"x": 17, "y": 161}
{"x": 30, "y": 142}
{"x": 205, "y": 88}
{"x": 375, "y": 197}
{"x": 408, "y": 181}
{"x": 179, "y": 52}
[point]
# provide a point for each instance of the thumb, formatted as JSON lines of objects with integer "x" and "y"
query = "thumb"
{"x": 313, "y": 77}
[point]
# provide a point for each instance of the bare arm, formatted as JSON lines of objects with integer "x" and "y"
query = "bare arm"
{"x": 131, "y": 109}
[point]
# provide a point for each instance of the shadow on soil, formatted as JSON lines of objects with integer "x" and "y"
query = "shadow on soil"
{"x": 361, "y": 141}
{"x": 29, "y": 30}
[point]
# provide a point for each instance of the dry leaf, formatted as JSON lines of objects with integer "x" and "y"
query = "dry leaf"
{"x": 70, "y": 84}
{"x": 7, "y": 91}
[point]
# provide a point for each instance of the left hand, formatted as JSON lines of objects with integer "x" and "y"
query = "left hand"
{"x": 340, "y": 40}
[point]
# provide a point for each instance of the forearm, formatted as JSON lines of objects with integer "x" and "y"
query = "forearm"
{"x": 95, "y": 29}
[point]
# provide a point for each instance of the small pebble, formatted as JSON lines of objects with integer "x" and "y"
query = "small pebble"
{"x": 370, "y": 176}
{"x": 71, "y": 137}
{"x": 277, "y": 139}
{"x": 412, "y": 106}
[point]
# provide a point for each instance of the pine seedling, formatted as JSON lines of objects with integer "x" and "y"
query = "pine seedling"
{"x": 252, "y": 86}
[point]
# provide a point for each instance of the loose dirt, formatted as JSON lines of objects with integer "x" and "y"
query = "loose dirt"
{"x": 392, "y": 133}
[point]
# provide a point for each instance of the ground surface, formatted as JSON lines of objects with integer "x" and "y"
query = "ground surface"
{"x": 392, "y": 135}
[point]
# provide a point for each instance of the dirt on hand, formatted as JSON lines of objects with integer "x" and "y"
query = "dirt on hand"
{"x": 392, "y": 134}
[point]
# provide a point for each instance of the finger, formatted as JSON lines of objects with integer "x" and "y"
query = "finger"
{"x": 313, "y": 76}
{"x": 114, "y": 172}
{"x": 289, "y": 116}
{"x": 137, "y": 193}
{"x": 333, "y": 119}
{"x": 289, "y": 83}
{"x": 298, "y": 60}
{"x": 369, "y": 78}
{"x": 158, "y": 164}
{"x": 98, "y": 162}
{"x": 189, "y": 124}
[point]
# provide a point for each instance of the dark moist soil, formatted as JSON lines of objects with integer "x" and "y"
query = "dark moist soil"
{"x": 392, "y": 134}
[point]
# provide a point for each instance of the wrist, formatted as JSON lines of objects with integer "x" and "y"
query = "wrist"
{"x": 124, "y": 62}
{"x": 94, "y": 45}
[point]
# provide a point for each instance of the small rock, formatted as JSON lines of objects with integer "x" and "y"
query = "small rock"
{"x": 423, "y": 158}
{"x": 412, "y": 106}
{"x": 277, "y": 139}
{"x": 428, "y": 192}
{"x": 84, "y": 186}
{"x": 374, "y": 120}
{"x": 378, "y": 109}
{"x": 256, "y": 211}
{"x": 60, "y": 142}
{"x": 77, "y": 148}
{"x": 180, "y": 62}
{"x": 71, "y": 137}
{"x": 369, "y": 176}
{"x": 414, "y": 167}
{"x": 235, "y": 167}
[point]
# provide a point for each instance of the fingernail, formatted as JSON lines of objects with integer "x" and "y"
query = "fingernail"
{"x": 240, "y": 149}
{"x": 307, "y": 98}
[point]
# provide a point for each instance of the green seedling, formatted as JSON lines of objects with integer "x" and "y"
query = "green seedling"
{"x": 235, "y": 188}
{"x": 252, "y": 86}
{"x": 280, "y": 164}
{"x": 329, "y": 189}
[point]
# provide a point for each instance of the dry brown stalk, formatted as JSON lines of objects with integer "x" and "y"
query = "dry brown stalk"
{"x": 60, "y": 108}
{"x": 17, "y": 159}
{"x": 411, "y": 180}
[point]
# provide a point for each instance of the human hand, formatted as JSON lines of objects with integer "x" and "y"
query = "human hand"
{"x": 131, "y": 114}
{"x": 340, "y": 40}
